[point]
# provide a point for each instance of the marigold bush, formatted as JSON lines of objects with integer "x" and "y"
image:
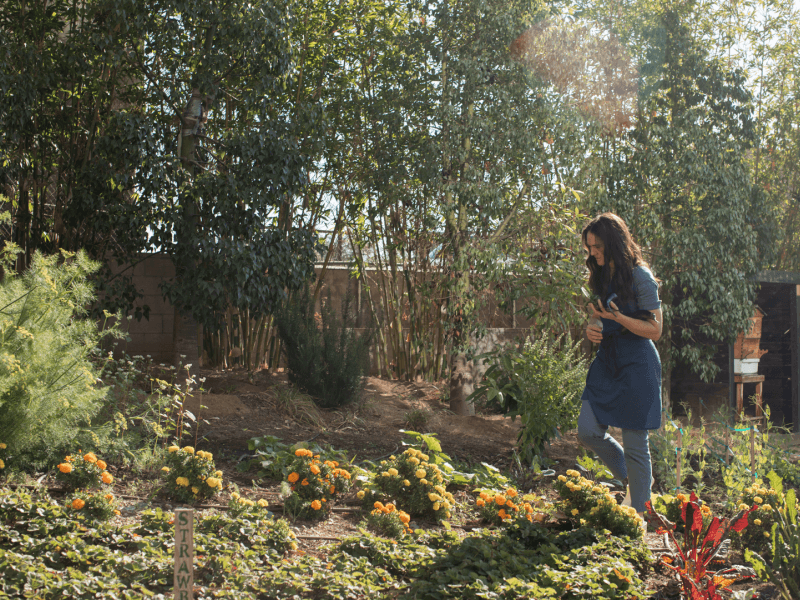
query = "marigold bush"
{"x": 757, "y": 535}
{"x": 388, "y": 521}
{"x": 80, "y": 471}
{"x": 418, "y": 486}
{"x": 190, "y": 476}
{"x": 498, "y": 507}
{"x": 96, "y": 506}
{"x": 314, "y": 484}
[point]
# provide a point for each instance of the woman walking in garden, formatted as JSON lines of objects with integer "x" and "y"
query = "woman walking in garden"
{"x": 623, "y": 386}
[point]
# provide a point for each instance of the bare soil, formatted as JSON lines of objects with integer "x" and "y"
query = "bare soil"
{"x": 235, "y": 409}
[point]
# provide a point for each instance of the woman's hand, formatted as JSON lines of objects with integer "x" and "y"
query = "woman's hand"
{"x": 602, "y": 313}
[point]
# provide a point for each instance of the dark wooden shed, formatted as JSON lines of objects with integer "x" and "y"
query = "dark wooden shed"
{"x": 779, "y": 298}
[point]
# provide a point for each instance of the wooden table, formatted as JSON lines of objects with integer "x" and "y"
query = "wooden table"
{"x": 740, "y": 380}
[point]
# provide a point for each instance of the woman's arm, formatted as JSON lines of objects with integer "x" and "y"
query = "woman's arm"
{"x": 650, "y": 329}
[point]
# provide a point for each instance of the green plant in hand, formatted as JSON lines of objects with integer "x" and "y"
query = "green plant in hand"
{"x": 190, "y": 476}
{"x": 541, "y": 383}
{"x": 783, "y": 570}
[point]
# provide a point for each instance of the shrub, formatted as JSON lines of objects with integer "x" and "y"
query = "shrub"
{"x": 756, "y": 536}
{"x": 81, "y": 471}
{"x": 191, "y": 476}
{"x": 498, "y": 507}
{"x": 541, "y": 382}
{"x": 388, "y": 521}
{"x": 48, "y": 388}
{"x": 96, "y": 506}
{"x": 327, "y": 359}
{"x": 314, "y": 483}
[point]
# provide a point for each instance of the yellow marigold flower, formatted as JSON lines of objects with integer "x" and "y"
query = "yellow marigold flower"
{"x": 436, "y": 506}
{"x": 573, "y": 473}
{"x": 406, "y": 482}
{"x": 293, "y": 477}
{"x": 757, "y": 522}
{"x": 480, "y": 502}
{"x": 765, "y": 507}
{"x": 165, "y": 469}
{"x": 217, "y": 473}
{"x": 90, "y": 457}
{"x": 423, "y": 481}
{"x": 78, "y": 504}
{"x": 102, "y": 465}
{"x": 743, "y": 506}
{"x": 182, "y": 481}
{"x": 173, "y": 449}
{"x": 188, "y": 449}
{"x": 262, "y": 503}
{"x": 2, "y": 464}
{"x": 561, "y": 478}
{"x": 106, "y": 477}
{"x": 195, "y": 490}
{"x": 360, "y": 494}
{"x": 500, "y": 500}
{"x": 3, "y": 446}
{"x": 65, "y": 468}
{"x": 420, "y": 473}
{"x": 434, "y": 497}
{"x": 304, "y": 482}
{"x": 758, "y": 500}
{"x": 314, "y": 469}
{"x": 385, "y": 474}
{"x": 766, "y": 534}
{"x": 212, "y": 482}
{"x": 392, "y": 457}
{"x": 235, "y": 495}
{"x": 575, "y": 511}
{"x": 109, "y": 497}
{"x": 316, "y": 505}
{"x": 413, "y": 460}
{"x": 598, "y": 489}
{"x": 449, "y": 496}
{"x": 393, "y": 472}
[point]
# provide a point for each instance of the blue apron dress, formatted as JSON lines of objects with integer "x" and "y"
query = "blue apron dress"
{"x": 623, "y": 385}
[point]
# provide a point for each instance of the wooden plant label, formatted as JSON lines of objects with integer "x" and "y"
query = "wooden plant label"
{"x": 184, "y": 554}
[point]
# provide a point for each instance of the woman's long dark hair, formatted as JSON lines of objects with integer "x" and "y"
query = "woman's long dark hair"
{"x": 618, "y": 245}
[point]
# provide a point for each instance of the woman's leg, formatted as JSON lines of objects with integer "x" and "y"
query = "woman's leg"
{"x": 595, "y": 437}
{"x": 639, "y": 465}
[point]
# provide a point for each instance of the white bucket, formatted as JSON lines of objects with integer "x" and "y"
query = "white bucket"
{"x": 746, "y": 366}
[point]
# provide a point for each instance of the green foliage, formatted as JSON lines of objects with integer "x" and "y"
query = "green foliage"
{"x": 48, "y": 384}
{"x": 326, "y": 358}
{"x": 387, "y": 521}
{"x": 541, "y": 382}
{"x": 784, "y": 568}
{"x": 272, "y": 456}
{"x": 190, "y": 476}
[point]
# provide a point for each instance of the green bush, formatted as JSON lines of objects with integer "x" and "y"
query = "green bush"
{"x": 541, "y": 382}
{"x": 48, "y": 388}
{"x": 325, "y": 356}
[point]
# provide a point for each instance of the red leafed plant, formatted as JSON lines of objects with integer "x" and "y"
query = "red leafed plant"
{"x": 699, "y": 546}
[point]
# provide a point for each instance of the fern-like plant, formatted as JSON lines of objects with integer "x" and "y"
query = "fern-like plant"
{"x": 325, "y": 356}
{"x": 541, "y": 382}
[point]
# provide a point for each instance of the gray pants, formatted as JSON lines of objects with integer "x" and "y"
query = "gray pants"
{"x": 631, "y": 462}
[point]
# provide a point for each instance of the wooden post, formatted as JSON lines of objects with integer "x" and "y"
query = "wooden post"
{"x": 678, "y": 452}
{"x": 184, "y": 554}
{"x": 728, "y": 453}
{"x": 753, "y": 451}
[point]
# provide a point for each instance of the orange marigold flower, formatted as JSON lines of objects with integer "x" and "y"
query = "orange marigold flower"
{"x": 293, "y": 477}
{"x": 65, "y": 468}
{"x": 102, "y": 465}
{"x": 304, "y": 482}
{"x": 332, "y": 489}
{"x": 511, "y": 493}
{"x": 480, "y": 502}
{"x": 378, "y": 504}
{"x": 503, "y": 514}
{"x": 500, "y": 500}
{"x": 316, "y": 505}
{"x": 106, "y": 477}
{"x": 404, "y": 518}
{"x": 109, "y": 497}
{"x": 78, "y": 504}
{"x": 90, "y": 457}
{"x": 314, "y": 469}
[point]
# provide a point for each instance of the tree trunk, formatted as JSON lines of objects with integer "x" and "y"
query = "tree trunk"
{"x": 461, "y": 384}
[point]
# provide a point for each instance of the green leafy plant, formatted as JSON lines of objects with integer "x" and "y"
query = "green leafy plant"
{"x": 699, "y": 547}
{"x": 190, "y": 476}
{"x": 784, "y": 568}
{"x": 326, "y": 358}
{"x": 48, "y": 384}
{"x": 97, "y": 506}
{"x": 541, "y": 383}
{"x": 314, "y": 483}
{"x": 671, "y": 508}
